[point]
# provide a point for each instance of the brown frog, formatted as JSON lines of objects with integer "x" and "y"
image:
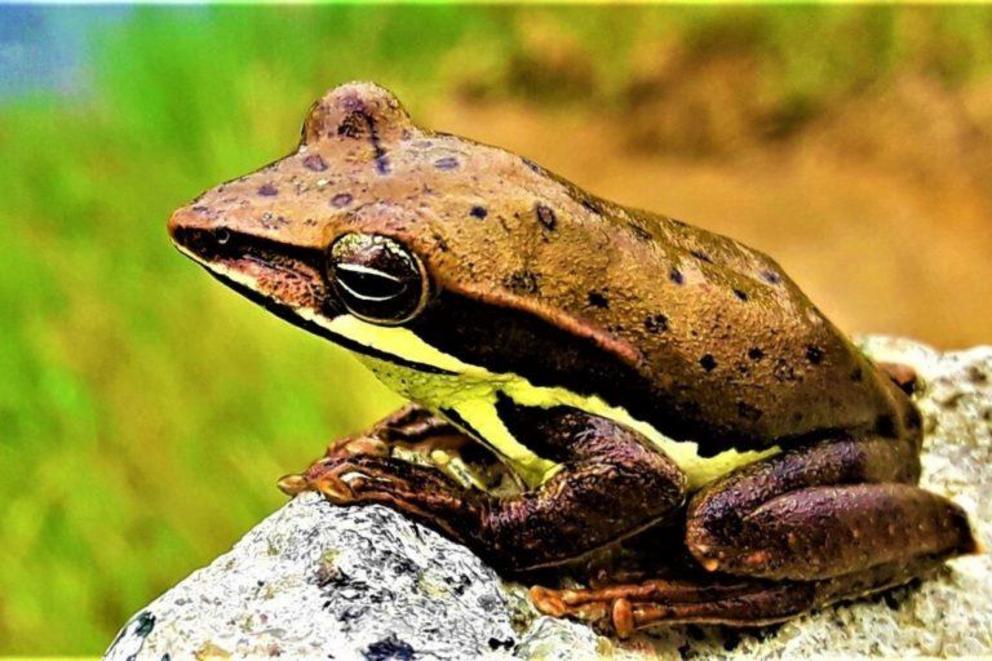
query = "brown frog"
{"x": 632, "y": 373}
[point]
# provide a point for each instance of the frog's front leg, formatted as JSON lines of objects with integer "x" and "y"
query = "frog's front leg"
{"x": 833, "y": 520}
{"x": 612, "y": 483}
{"x": 412, "y": 427}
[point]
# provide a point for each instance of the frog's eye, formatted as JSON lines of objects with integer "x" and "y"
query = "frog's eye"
{"x": 377, "y": 278}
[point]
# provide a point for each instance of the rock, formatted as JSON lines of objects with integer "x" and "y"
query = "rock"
{"x": 366, "y": 583}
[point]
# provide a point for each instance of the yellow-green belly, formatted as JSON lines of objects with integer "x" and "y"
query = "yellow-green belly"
{"x": 472, "y": 394}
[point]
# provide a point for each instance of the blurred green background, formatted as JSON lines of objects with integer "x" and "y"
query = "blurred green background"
{"x": 145, "y": 411}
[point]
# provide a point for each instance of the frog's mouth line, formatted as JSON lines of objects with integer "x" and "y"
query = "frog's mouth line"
{"x": 287, "y": 284}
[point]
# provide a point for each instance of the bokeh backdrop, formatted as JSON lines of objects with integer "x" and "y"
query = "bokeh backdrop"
{"x": 146, "y": 411}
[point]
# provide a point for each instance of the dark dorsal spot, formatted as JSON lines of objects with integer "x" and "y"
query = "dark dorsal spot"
{"x": 708, "y": 362}
{"x": 748, "y": 412}
{"x": 885, "y": 425}
{"x": 676, "y": 276}
{"x": 314, "y": 162}
{"x": 268, "y": 190}
{"x": 754, "y": 353}
{"x": 771, "y": 277}
{"x": 656, "y": 323}
{"x": 741, "y": 294}
{"x": 592, "y": 205}
{"x": 699, "y": 254}
{"x": 857, "y": 374}
{"x": 532, "y": 165}
{"x": 640, "y": 233}
{"x": 446, "y": 163}
{"x": 598, "y": 299}
{"x": 522, "y": 282}
{"x": 814, "y": 354}
{"x": 341, "y": 200}
{"x": 545, "y": 215}
{"x": 478, "y": 212}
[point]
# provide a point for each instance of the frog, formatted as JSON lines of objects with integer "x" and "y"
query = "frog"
{"x": 630, "y": 376}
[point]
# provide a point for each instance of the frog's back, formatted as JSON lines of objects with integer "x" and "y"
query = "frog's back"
{"x": 701, "y": 336}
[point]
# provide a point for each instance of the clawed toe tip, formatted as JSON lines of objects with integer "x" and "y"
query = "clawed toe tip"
{"x": 293, "y": 484}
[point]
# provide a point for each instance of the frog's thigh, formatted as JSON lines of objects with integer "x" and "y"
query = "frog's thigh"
{"x": 833, "y": 508}
{"x": 830, "y": 521}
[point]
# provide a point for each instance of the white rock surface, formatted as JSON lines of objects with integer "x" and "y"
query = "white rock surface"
{"x": 314, "y": 580}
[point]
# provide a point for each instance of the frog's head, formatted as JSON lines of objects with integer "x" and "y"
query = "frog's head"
{"x": 375, "y": 227}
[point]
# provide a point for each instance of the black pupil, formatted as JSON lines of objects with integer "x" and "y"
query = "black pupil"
{"x": 369, "y": 285}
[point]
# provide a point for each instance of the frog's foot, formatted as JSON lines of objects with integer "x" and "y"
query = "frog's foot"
{"x": 739, "y": 602}
{"x": 623, "y": 608}
{"x": 422, "y": 492}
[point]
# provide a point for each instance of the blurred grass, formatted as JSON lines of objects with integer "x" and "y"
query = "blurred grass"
{"x": 145, "y": 411}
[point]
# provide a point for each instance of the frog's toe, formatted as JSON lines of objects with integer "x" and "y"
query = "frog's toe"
{"x": 293, "y": 484}
{"x": 354, "y": 445}
{"x": 624, "y": 608}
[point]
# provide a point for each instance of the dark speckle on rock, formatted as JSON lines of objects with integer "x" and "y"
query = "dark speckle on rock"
{"x": 708, "y": 362}
{"x": 496, "y": 643}
{"x": 389, "y": 649}
{"x": 755, "y": 353}
{"x": 478, "y": 212}
{"x": 741, "y": 294}
{"x": 268, "y": 190}
{"x": 814, "y": 354}
{"x": 145, "y": 624}
{"x": 700, "y": 255}
{"x": 446, "y": 163}
{"x": 676, "y": 276}
{"x": 731, "y": 639}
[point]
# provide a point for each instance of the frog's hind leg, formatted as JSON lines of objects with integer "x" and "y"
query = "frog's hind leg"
{"x": 832, "y": 520}
{"x": 718, "y": 599}
{"x": 824, "y": 510}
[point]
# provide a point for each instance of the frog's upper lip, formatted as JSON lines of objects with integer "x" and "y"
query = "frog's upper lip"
{"x": 285, "y": 274}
